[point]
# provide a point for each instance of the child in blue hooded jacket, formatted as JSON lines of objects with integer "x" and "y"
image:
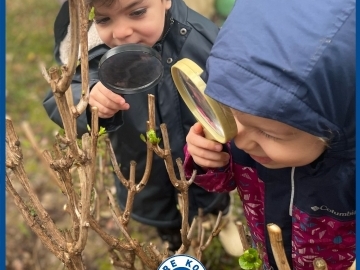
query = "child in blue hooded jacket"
{"x": 287, "y": 71}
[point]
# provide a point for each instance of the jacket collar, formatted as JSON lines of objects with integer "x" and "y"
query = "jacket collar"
{"x": 178, "y": 11}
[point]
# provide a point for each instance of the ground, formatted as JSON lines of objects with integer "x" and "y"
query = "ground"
{"x": 29, "y": 44}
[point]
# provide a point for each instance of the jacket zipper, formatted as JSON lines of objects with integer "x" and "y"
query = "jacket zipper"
{"x": 158, "y": 45}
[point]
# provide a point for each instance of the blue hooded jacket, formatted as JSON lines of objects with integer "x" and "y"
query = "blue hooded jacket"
{"x": 294, "y": 62}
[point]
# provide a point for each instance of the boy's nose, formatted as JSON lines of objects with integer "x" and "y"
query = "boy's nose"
{"x": 121, "y": 32}
{"x": 245, "y": 143}
{"x": 243, "y": 139}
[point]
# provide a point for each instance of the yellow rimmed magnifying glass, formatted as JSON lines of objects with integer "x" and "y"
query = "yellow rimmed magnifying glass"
{"x": 217, "y": 119}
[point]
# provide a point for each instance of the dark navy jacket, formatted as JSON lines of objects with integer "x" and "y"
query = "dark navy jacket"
{"x": 294, "y": 62}
{"x": 190, "y": 36}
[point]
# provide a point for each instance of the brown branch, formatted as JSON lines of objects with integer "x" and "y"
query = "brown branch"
{"x": 14, "y": 162}
{"x": 109, "y": 239}
{"x": 149, "y": 160}
{"x": 277, "y": 246}
{"x": 74, "y": 47}
{"x": 135, "y": 245}
{"x": 102, "y": 172}
{"x": 122, "y": 228}
{"x": 182, "y": 184}
{"x": 30, "y": 136}
{"x": 215, "y": 231}
{"x": 150, "y": 152}
{"x": 242, "y": 234}
{"x": 115, "y": 165}
{"x": 35, "y": 226}
{"x": 156, "y": 252}
{"x": 113, "y": 204}
{"x": 131, "y": 194}
{"x": 60, "y": 81}
{"x": 68, "y": 123}
{"x": 83, "y": 28}
{"x": 85, "y": 210}
{"x": 62, "y": 166}
{"x": 151, "y": 110}
{"x": 96, "y": 208}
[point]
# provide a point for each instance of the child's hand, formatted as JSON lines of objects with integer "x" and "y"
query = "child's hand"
{"x": 205, "y": 153}
{"x": 107, "y": 102}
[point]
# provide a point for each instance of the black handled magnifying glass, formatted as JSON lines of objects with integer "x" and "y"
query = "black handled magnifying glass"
{"x": 217, "y": 119}
{"x": 130, "y": 69}
{"x": 135, "y": 68}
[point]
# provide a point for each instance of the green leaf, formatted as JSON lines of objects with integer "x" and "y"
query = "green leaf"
{"x": 258, "y": 264}
{"x": 250, "y": 260}
{"x": 142, "y": 137}
{"x": 151, "y": 135}
{"x": 246, "y": 265}
{"x": 102, "y": 131}
{"x": 92, "y": 14}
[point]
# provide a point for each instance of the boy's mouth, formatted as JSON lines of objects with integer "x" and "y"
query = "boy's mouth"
{"x": 262, "y": 160}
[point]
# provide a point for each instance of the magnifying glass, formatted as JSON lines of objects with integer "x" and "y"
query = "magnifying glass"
{"x": 217, "y": 119}
{"x": 130, "y": 69}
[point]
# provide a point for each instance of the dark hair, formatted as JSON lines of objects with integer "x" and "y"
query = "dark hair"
{"x": 103, "y": 2}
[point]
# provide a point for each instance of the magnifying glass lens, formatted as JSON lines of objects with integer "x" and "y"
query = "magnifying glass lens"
{"x": 201, "y": 104}
{"x": 130, "y": 69}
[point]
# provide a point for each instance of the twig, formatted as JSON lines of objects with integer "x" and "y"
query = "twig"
{"x": 242, "y": 234}
{"x": 30, "y": 136}
{"x": 277, "y": 246}
{"x": 30, "y": 219}
{"x": 14, "y": 162}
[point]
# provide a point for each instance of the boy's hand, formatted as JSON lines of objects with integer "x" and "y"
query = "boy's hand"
{"x": 205, "y": 153}
{"x": 107, "y": 102}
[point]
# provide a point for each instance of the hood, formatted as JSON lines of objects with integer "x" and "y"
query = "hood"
{"x": 290, "y": 61}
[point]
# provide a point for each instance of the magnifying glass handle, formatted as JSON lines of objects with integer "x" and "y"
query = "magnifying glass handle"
{"x": 208, "y": 135}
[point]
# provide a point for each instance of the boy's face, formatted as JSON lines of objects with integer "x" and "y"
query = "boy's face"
{"x": 274, "y": 144}
{"x": 131, "y": 21}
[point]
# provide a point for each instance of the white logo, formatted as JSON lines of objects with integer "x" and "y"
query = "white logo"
{"x": 181, "y": 262}
{"x": 341, "y": 214}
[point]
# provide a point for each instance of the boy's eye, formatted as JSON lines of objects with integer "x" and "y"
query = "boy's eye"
{"x": 267, "y": 135}
{"x": 138, "y": 12}
{"x": 101, "y": 21}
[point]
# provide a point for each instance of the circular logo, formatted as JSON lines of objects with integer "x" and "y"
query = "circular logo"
{"x": 181, "y": 262}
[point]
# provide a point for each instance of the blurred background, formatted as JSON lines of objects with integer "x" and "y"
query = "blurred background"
{"x": 30, "y": 42}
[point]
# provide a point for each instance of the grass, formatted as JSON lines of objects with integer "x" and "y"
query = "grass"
{"x": 30, "y": 42}
{"x": 29, "y": 36}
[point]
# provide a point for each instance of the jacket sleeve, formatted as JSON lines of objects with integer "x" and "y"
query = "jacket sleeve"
{"x": 212, "y": 180}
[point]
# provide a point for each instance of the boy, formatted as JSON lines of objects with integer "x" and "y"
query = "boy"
{"x": 175, "y": 31}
